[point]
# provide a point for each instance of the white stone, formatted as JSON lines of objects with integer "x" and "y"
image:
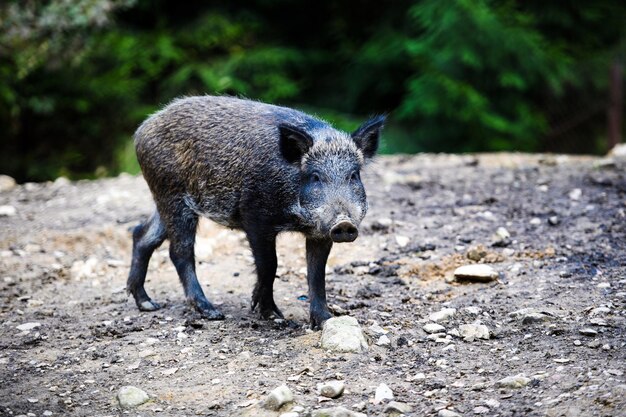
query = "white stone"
{"x": 28, "y": 326}
{"x": 6, "y": 183}
{"x": 130, "y": 397}
{"x": 336, "y": 412}
{"x": 398, "y": 408}
{"x": 433, "y": 328}
{"x": 442, "y": 315}
{"x": 502, "y": 233}
{"x": 343, "y": 334}
{"x": 471, "y": 332}
{"x": 402, "y": 241}
{"x": 476, "y": 272}
{"x": 383, "y": 392}
{"x": 383, "y": 341}
{"x": 447, "y": 413}
{"x": 618, "y": 151}
{"x": 84, "y": 269}
{"x": 535, "y": 221}
{"x": 7, "y": 211}
{"x": 331, "y": 389}
{"x": 278, "y": 397}
{"x": 575, "y": 194}
{"x": 515, "y": 381}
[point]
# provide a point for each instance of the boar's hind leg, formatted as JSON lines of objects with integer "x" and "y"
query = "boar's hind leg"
{"x": 146, "y": 238}
{"x": 317, "y": 251}
{"x": 264, "y": 250}
{"x": 181, "y": 231}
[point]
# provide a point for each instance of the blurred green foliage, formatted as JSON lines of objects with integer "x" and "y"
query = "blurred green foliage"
{"x": 78, "y": 76}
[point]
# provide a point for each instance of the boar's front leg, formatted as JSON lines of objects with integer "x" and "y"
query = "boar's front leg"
{"x": 263, "y": 245}
{"x": 181, "y": 230}
{"x": 317, "y": 251}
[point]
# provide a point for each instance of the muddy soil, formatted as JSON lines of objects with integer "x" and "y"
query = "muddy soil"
{"x": 65, "y": 256}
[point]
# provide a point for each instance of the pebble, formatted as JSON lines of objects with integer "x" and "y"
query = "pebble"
{"x": 402, "y": 241}
{"x": 471, "y": 332}
{"x": 396, "y": 407}
{"x": 502, "y": 237}
{"x": 447, "y": 413}
{"x": 331, "y": 389}
{"x": 84, "y": 269}
{"x": 433, "y": 328}
{"x": 553, "y": 220}
{"x": 278, "y": 397}
{"x": 535, "y": 221}
{"x": 290, "y": 414}
{"x": 383, "y": 341}
{"x": 481, "y": 410}
{"x": 343, "y": 334}
{"x": 383, "y": 392}
{"x": 476, "y": 272}
{"x": 575, "y": 194}
{"x": 336, "y": 412}
{"x": 7, "y": 211}
{"x": 6, "y": 183}
{"x": 515, "y": 381}
{"x": 28, "y": 326}
{"x": 588, "y": 332}
{"x": 530, "y": 315}
{"x": 382, "y": 224}
{"x": 130, "y": 397}
{"x": 442, "y": 315}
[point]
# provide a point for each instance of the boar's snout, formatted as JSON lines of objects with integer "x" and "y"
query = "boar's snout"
{"x": 344, "y": 231}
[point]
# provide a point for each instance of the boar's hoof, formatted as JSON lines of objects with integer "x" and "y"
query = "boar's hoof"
{"x": 268, "y": 310}
{"x": 206, "y": 309}
{"x": 148, "y": 305}
{"x": 318, "y": 318}
{"x": 213, "y": 314}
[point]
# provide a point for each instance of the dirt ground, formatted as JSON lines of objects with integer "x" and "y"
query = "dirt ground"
{"x": 64, "y": 259}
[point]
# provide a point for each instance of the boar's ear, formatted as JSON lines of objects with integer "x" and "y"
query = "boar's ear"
{"x": 293, "y": 143}
{"x": 367, "y": 136}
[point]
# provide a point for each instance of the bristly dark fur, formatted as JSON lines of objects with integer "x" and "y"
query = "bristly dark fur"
{"x": 251, "y": 166}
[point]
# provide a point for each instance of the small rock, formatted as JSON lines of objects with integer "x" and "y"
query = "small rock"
{"x": 383, "y": 392}
{"x": 331, "y": 389}
{"x": 481, "y": 410}
{"x": 588, "y": 332}
{"x": 470, "y": 332}
{"x": 618, "y": 151}
{"x": 535, "y": 221}
{"x": 502, "y": 237}
{"x": 396, "y": 407}
{"x": 84, "y": 269}
{"x": 575, "y": 194}
{"x": 442, "y": 315}
{"x": 130, "y": 397}
{"x": 7, "y": 211}
{"x": 290, "y": 414}
{"x": 447, "y": 413}
{"x": 491, "y": 402}
{"x": 278, "y": 397}
{"x": 6, "y": 183}
{"x": 343, "y": 334}
{"x": 477, "y": 272}
{"x": 336, "y": 412}
{"x": 383, "y": 341}
{"x": 383, "y": 224}
{"x": 531, "y": 315}
{"x": 402, "y": 241}
{"x": 553, "y": 220}
{"x": 433, "y": 328}
{"x": 513, "y": 382}
{"x": 28, "y": 326}
{"x": 476, "y": 253}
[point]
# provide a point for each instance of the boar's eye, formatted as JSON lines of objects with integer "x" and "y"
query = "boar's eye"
{"x": 315, "y": 177}
{"x": 354, "y": 176}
